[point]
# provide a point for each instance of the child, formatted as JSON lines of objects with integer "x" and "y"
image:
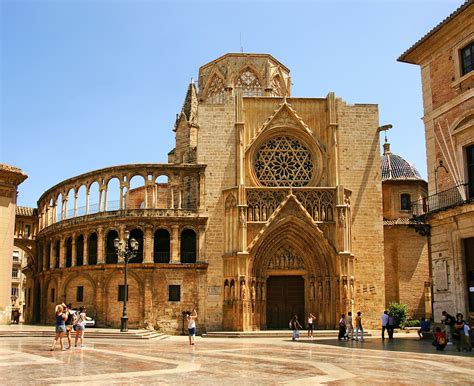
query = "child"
{"x": 440, "y": 339}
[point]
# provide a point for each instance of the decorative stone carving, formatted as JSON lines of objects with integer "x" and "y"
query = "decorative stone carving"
{"x": 216, "y": 90}
{"x": 286, "y": 258}
{"x": 284, "y": 161}
{"x": 249, "y": 83}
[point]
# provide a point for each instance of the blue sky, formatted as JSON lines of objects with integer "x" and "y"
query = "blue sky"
{"x": 91, "y": 84}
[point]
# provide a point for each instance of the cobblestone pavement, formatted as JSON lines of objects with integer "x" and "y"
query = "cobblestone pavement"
{"x": 172, "y": 360}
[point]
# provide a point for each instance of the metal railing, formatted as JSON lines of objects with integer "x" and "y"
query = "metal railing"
{"x": 456, "y": 195}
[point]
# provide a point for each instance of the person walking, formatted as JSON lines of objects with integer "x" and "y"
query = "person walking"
{"x": 311, "y": 319}
{"x": 295, "y": 326}
{"x": 69, "y": 324}
{"x": 392, "y": 323}
{"x": 358, "y": 323}
{"x": 342, "y": 328}
{"x": 384, "y": 319}
{"x": 191, "y": 319}
{"x": 350, "y": 327}
{"x": 80, "y": 327}
{"x": 60, "y": 326}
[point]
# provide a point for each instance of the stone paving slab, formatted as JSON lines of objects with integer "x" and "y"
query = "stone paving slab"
{"x": 244, "y": 361}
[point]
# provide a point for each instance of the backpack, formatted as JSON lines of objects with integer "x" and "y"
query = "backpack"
{"x": 441, "y": 340}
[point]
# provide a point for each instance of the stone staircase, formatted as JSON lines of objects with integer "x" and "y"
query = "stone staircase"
{"x": 91, "y": 333}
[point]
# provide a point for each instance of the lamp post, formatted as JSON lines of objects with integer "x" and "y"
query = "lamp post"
{"x": 126, "y": 250}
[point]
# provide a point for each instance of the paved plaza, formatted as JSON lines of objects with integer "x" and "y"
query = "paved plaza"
{"x": 171, "y": 360}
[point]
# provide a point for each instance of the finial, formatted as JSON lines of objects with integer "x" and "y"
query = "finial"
{"x": 192, "y": 80}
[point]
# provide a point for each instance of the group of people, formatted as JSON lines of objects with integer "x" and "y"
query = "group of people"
{"x": 346, "y": 326}
{"x": 456, "y": 330}
{"x": 68, "y": 320}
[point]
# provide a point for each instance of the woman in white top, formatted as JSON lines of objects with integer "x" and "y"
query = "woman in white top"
{"x": 190, "y": 317}
{"x": 311, "y": 319}
{"x": 80, "y": 326}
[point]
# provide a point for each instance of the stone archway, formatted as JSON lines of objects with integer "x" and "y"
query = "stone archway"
{"x": 296, "y": 255}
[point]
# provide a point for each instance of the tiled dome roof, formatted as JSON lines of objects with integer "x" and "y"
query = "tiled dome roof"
{"x": 395, "y": 167}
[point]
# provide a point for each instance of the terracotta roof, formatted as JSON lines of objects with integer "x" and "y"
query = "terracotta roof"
{"x": 464, "y": 6}
{"x": 25, "y": 211}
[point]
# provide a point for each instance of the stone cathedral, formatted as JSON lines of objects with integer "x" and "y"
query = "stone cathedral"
{"x": 269, "y": 206}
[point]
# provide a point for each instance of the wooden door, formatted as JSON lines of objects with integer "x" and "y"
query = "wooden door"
{"x": 285, "y": 298}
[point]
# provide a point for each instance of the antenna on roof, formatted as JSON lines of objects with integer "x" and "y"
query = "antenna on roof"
{"x": 241, "y": 48}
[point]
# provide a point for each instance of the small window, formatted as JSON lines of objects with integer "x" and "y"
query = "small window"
{"x": 467, "y": 54}
{"x": 174, "y": 293}
{"x": 121, "y": 293}
{"x": 53, "y": 295}
{"x": 27, "y": 231}
{"x": 405, "y": 200}
{"x": 15, "y": 273}
{"x": 80, "y": 294}
{"x": 14, "y": 291}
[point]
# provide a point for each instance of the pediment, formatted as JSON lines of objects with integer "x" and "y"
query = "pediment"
{"x": 289, "y": 208}
{"x": 285, "y": 116}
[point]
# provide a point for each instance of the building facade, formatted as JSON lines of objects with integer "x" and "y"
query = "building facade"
{"x": 269, "y": 206}
{"x": 407, "y": 271}
{"x": 445, "y": 56}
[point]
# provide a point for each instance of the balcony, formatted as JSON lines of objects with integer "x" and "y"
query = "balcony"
{"x": 440, "y": 201}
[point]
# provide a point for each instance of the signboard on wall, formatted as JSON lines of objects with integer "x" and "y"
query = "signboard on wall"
{"x": 440, "y": 273}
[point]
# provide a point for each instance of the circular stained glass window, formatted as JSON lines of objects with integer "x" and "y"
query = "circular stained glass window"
{"x": 283, "y": 161}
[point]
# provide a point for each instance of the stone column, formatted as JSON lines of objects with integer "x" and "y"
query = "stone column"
{"x": 74, "y": 252}
{"x": 148, "y": 247}
{"x": 86, "y": 250}
{"x": 174, "y": 244}
{"x": 100, "y": 246}
{"x": 62, "y": 254}
{"x": 202, "y": 244}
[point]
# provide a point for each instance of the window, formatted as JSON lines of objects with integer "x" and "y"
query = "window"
{"x": 467, "y": 54}
{"x": 188, "y": 246}
{"x": 14, "y": 291}
{"x": 69, "y": 252}
{"x": 161, "y": 246}
{"x": 110, "y": 254}
{"x": 53, "y": 295}
{"x": 80, "y": 294}
{"x": 174, "y": 293}
{"x": 14, "y": 273}
{"x": 16, "y": 256}
{"x": 405, "y": 200}
{"x": 470, "y": 170}
{"x": 121, "y": 293}
{"x": 27, "y": 231}
{"x": 92, "y": 249}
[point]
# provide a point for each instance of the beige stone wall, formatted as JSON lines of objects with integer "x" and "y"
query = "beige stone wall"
{"x": 216, "y": 149}
{"x": 406, "y": 269}
{"x": 359, "y": 171}
{"x": 7, "y": 223}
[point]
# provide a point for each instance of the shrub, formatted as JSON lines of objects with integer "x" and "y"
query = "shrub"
{"x": 410, "y": 323}
{"x": 399, "y": 311}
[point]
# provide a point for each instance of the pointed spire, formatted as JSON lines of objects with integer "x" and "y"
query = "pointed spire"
{"x": 190, "y": 102}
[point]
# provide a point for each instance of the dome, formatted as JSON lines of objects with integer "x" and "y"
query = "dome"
{"x": 395, "y": 167}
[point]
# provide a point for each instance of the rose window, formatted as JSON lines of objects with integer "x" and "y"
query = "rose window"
{"x": 284, "y": 161}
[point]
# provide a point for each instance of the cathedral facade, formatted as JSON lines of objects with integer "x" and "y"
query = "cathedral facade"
{"x": 269, "y": 206}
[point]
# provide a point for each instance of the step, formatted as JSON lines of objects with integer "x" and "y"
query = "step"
{"x": 272, "y": 334}
{"x": 92, "y": 334}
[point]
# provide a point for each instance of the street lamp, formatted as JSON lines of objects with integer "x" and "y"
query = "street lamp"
{"x": 126, "y": 250}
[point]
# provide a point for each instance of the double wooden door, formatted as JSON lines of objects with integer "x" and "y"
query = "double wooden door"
{"x": 285, "y": 298}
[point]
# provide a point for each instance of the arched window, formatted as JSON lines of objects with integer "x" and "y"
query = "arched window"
{"x": 80, "y": 250}
{"x": 137, "y": 234}
{"x": 110, "y": 254}
{"x": 161, "y": 246}
{"x": 92, "y": 249}
{"x": 69, "y": 252}
{"x": 216, "y": 90}
{"x": 248, "y": 83}
{"x": 188, "y": 246}
{"x": 405, "y": 201}
{"x": 57, "y": 251}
